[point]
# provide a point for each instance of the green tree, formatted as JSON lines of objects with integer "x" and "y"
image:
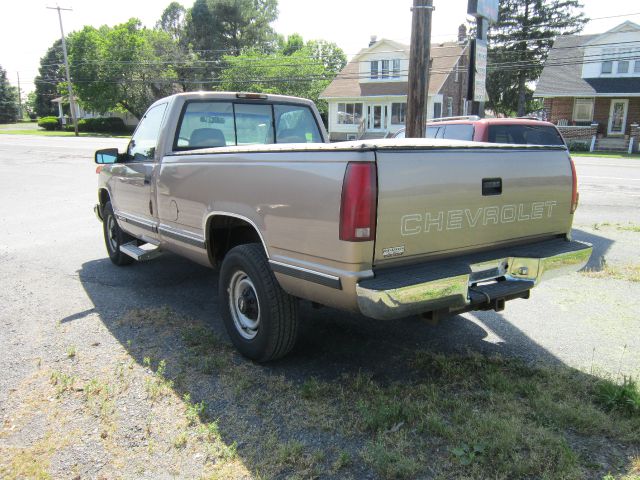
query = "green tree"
{"x": 126, "y": 66}
{"x": 173, "y": 21}
{"x": 292, "y": 44}
{"x": 518, "y": 46}
{"x": 50, "y": 75}
{"x": 218, "y": 27}
{"x": 8, "y": 99}
{"x": 304, "y": 73}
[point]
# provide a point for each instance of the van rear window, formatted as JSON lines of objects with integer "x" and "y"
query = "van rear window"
{"x": 525, "y": 135}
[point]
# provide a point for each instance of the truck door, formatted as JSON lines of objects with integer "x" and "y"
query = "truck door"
{"x": 134, "y": 185}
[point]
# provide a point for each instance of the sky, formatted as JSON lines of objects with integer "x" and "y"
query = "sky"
{"x": 27, "y": 28}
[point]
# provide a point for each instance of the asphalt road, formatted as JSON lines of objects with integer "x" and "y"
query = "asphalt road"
{"x": 609, "y": 190}
{"x": 54, "y": 269}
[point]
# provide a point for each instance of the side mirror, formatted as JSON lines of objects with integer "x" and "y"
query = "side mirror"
{"x": 107, "y": 155}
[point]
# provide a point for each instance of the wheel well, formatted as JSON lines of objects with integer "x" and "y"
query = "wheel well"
{"x": 225, "y": 232}
{"x": 103, "y": 197}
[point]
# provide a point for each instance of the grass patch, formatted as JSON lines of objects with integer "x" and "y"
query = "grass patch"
{"x": 605, "y": 155}
{"x": 629, "y": 273}
{"x": 59, "y": 133}
{"x": 445, "y": 416}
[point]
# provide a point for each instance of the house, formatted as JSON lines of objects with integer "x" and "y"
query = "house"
{"x": 64, "y": 113}
{"x": 368, "y": 98}
{"x": 591, "y": 88}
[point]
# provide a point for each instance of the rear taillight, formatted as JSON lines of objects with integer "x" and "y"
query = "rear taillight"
{"x": 99, "y": 168}
{"x": 358, "y": 206}
{"x": 574, "y": 191}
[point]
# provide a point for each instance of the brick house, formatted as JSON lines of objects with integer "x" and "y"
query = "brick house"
{"x": 591, "y": 87}
{"x": 368, "y": 98}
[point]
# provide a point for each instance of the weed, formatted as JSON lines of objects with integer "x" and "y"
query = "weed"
{"x": 99, "y": 396}
{"x": 157, "y": 385}
{"x": 194, "y": 410}
{"x": 624, "y": 397}
{"x": 343, "y": 461}
{"x": 200, "y": 336}
{"x": 466, "y": 454}
{"x": 181, "y": 440}
{"x": 312, "y": 389}
{"x": 390, "y": 460}
{"x": 61, "y": 381}
{"x": 71, "y": 351}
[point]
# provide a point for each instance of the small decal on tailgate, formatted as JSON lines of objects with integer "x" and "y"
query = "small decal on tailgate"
{"x": 392, "y": 251}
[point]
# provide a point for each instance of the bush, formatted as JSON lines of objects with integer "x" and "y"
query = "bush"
{"x": 48, "y": 123}
{"x": 102, "y": 124}
{"x": 577, "y": 146}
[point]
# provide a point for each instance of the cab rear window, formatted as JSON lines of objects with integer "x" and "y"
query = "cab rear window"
{"x": 207, "y": 124}
{"x": 525, "y": 135}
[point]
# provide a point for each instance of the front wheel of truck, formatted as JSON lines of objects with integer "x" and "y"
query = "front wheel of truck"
{"x": 260, "y": 317}
{"x": 114, "y": 237}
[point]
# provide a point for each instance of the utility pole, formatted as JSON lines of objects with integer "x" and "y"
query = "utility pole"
{"x": 72, "y": 102}
{"x": 482, "y": 25}
{"x": 418, "y": 94}
{"x": 20, "y": 114}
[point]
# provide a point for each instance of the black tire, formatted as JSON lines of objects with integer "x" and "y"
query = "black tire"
{"x": 244, "y": 270}
{"x": 114, "y": 237}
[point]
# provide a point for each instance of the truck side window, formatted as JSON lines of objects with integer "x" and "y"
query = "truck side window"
{"x": 295, "y": 124}
{"x": 143, "y": 144}
{"x": 206, "y": 125}
{"x": 254, "y": 123}
{"x": 458, "y": 132}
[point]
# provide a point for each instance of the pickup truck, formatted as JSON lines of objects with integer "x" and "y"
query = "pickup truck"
{"x": 248, "y": 184}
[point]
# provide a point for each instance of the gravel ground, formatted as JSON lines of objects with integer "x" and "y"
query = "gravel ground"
{"x": 70, "y": 338}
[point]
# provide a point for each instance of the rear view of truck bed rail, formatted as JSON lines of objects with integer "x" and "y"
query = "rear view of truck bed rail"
{"x": 459, "y": 283}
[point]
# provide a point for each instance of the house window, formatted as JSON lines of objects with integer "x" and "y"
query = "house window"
{"x": 636, "y": 69}
{"x": 349, "y": 113}
{"x": 607, "y": 63}
{"x": 623, "y": 66}
{"x": 437, "y": 109}
{"x": 396, "y": 67}
{"x": 385, "y": 68}
{"x": 398, "y": 113}
{"x": 449, "y": 106}
{"x": 583, "y": 110}
{"x": 374, "y": 69}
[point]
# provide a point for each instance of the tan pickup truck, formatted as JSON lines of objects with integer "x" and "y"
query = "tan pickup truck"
{"x": 387, "y": 228}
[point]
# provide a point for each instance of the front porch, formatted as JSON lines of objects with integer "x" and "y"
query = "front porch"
{"x": 606, "y": 124}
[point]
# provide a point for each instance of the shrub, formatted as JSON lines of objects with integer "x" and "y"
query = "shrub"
{"x": 623, "y": 397}
{"x": 48, "y": 123}
{"x": 102, "y": 124}
{"x": 577, "y": 146}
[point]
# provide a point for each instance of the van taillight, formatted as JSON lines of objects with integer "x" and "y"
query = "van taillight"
{"x": 574, "y": 193}
{"x": 358, "y": 206}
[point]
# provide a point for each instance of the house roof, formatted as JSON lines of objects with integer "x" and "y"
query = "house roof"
{"x": 347, "y": 83}
{"x": 562, "y": 73}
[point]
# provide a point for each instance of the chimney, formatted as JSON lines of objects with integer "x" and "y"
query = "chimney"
{"x": 462, "y": 33}
{"x": 373, "y": 40}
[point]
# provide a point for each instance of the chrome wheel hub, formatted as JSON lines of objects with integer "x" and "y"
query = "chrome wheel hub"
{"x": 112, "y": 233}
{"x": 244, "y": 305}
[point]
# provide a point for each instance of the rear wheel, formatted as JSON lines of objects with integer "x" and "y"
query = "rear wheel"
{"x": 260, "y": 317}
{"x": 114, "y": 237}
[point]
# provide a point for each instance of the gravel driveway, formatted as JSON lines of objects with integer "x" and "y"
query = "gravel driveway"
{"x": 66, "y": 307}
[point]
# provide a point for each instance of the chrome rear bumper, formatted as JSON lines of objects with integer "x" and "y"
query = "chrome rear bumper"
{"x": 445, "y": 284}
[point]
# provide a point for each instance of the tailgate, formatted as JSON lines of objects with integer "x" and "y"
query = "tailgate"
{"x": 436, "y": 201}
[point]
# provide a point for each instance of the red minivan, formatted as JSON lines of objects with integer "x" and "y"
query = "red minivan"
{"x": 521, "y": 131}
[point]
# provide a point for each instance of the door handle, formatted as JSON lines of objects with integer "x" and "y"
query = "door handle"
{"x": 491, "y": 186}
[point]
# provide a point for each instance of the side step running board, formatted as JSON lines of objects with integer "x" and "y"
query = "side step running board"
{"x": 141, "y": 253}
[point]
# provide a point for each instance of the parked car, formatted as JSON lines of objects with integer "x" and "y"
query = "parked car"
{"x": 519, "y": 131}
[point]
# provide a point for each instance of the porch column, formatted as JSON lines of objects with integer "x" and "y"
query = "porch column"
{"x": 60, "y": 112}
